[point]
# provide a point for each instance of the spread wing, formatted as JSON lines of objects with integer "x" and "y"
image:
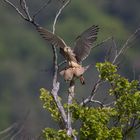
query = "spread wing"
{"x": 52, "y": 38}
{"x": 58, "y": 42}
{"x": 84, "y": 42}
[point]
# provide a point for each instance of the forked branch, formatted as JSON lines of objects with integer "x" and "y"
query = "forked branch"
{"x": 24, "y": 13}
{"x": 117, "y": 54}
{"x": 127, "y": 44}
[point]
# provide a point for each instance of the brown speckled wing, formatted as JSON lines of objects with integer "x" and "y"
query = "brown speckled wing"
{"x": 84, "y": 42}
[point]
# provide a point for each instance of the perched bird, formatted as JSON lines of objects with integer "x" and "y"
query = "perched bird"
{"x": 67, "y": 74}
{"x": 74, "y": 56}
{"x": 71, "y": 72}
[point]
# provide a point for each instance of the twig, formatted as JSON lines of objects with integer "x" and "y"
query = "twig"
{"x": 96, "y": 101}
{"x": 101, "y": 103}
{"x": 117, "y": 54}
{"x": 58, "y": 14}
{"x": 55, "y": 83}
{"x": 108, "y": 54}
{"x": 8, "y": 129}
{"x": 43, "y": 7}
{"x": 99, "y": 44}
{"x": 18, "y": 11}
{"x": 93, "y": 92}
{"x": 99, "y": 81}
{"x": 61, "y": 63}
{"x": 129, "y": 128}
{"x": 25, "y": 9}
{"x": 137, "y": 125}
{"x": 23, "y": 5}
{"x": 18, "y": 132}
{"x": 115, "y": 46}
{"x": 126, "y": 45}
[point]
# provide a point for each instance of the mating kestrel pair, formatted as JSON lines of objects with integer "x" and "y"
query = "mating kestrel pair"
{"x": 74, "y": 56}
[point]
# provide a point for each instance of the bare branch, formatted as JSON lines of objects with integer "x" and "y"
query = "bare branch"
{"x": 8, "y": 129}
{"x": 61, "y": 63}
{"x": 18, "y": 132}
{"x": 58, "y": 14}
{"x": 70, "y": 101}
{"x": 25, "y": 9}
{"x": 96, "y": 101}
{"x": 117, "y": 54}
{"x": 99, "y": 81}
{"x": 53, "y": 47}
{"x": 137, "y": 125}
{"x": 43, "y": 7}
{"x": 101, "y": 103}
{"x": 23, "y": 5}
{"x": 115, "y": 46}
{"x": 72, "y": 84}
{"x": 18, "y": 11}
{"x": 109, "y": 53}
{"x": 93, "y": 92}
{"x": 58, "y": 102}
{"x": 55, "y": 83}
{"x": 28, "y": 18}
{"x": 70, "y": 98}
{"x": 130, "y": 40}
{"x": 99, "y": 44}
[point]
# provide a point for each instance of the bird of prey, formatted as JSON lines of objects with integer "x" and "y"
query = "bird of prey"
{"x": 71, "y": 72}
{"x": 74, "y": 56}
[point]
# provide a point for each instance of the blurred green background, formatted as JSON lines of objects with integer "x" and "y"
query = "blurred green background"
{"x": 24, "y": 55}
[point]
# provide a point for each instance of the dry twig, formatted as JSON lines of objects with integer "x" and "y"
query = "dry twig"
{"x": 31, "y": 19}
{"x": 127, "y": 45}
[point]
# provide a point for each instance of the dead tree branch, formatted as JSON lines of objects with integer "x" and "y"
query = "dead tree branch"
{"x": 59, "y": 12}
{"x": 25, "y": 9}
{"x": 99, "y": 81}
{"x": 70, "y": 101}
{"x": 43, "y": 7}
{"x": 99, "y": 44}
{"x": 93, "y": 92}
{"x": 17, "y": 10}
{"x": 126, "y": 46}
{"x": 24, "y": 13}
{"x": 55, "y": 82}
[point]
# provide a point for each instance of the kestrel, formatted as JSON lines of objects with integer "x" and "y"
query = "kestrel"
{"x": 80, "y": 52}
{"x": 71, "y": 72}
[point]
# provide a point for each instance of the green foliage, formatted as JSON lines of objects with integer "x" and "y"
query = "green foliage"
{"x": 127, "y": 95}
{"x": 101, "y": 123}
{"x": 119, "y": 85}
{"x": 106, "y": 70}
{"x": 128, "y": 107}
{"x": 49, "y": 104}
{"x": 52, "y": 134}
{"x": 95, "y": 123}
